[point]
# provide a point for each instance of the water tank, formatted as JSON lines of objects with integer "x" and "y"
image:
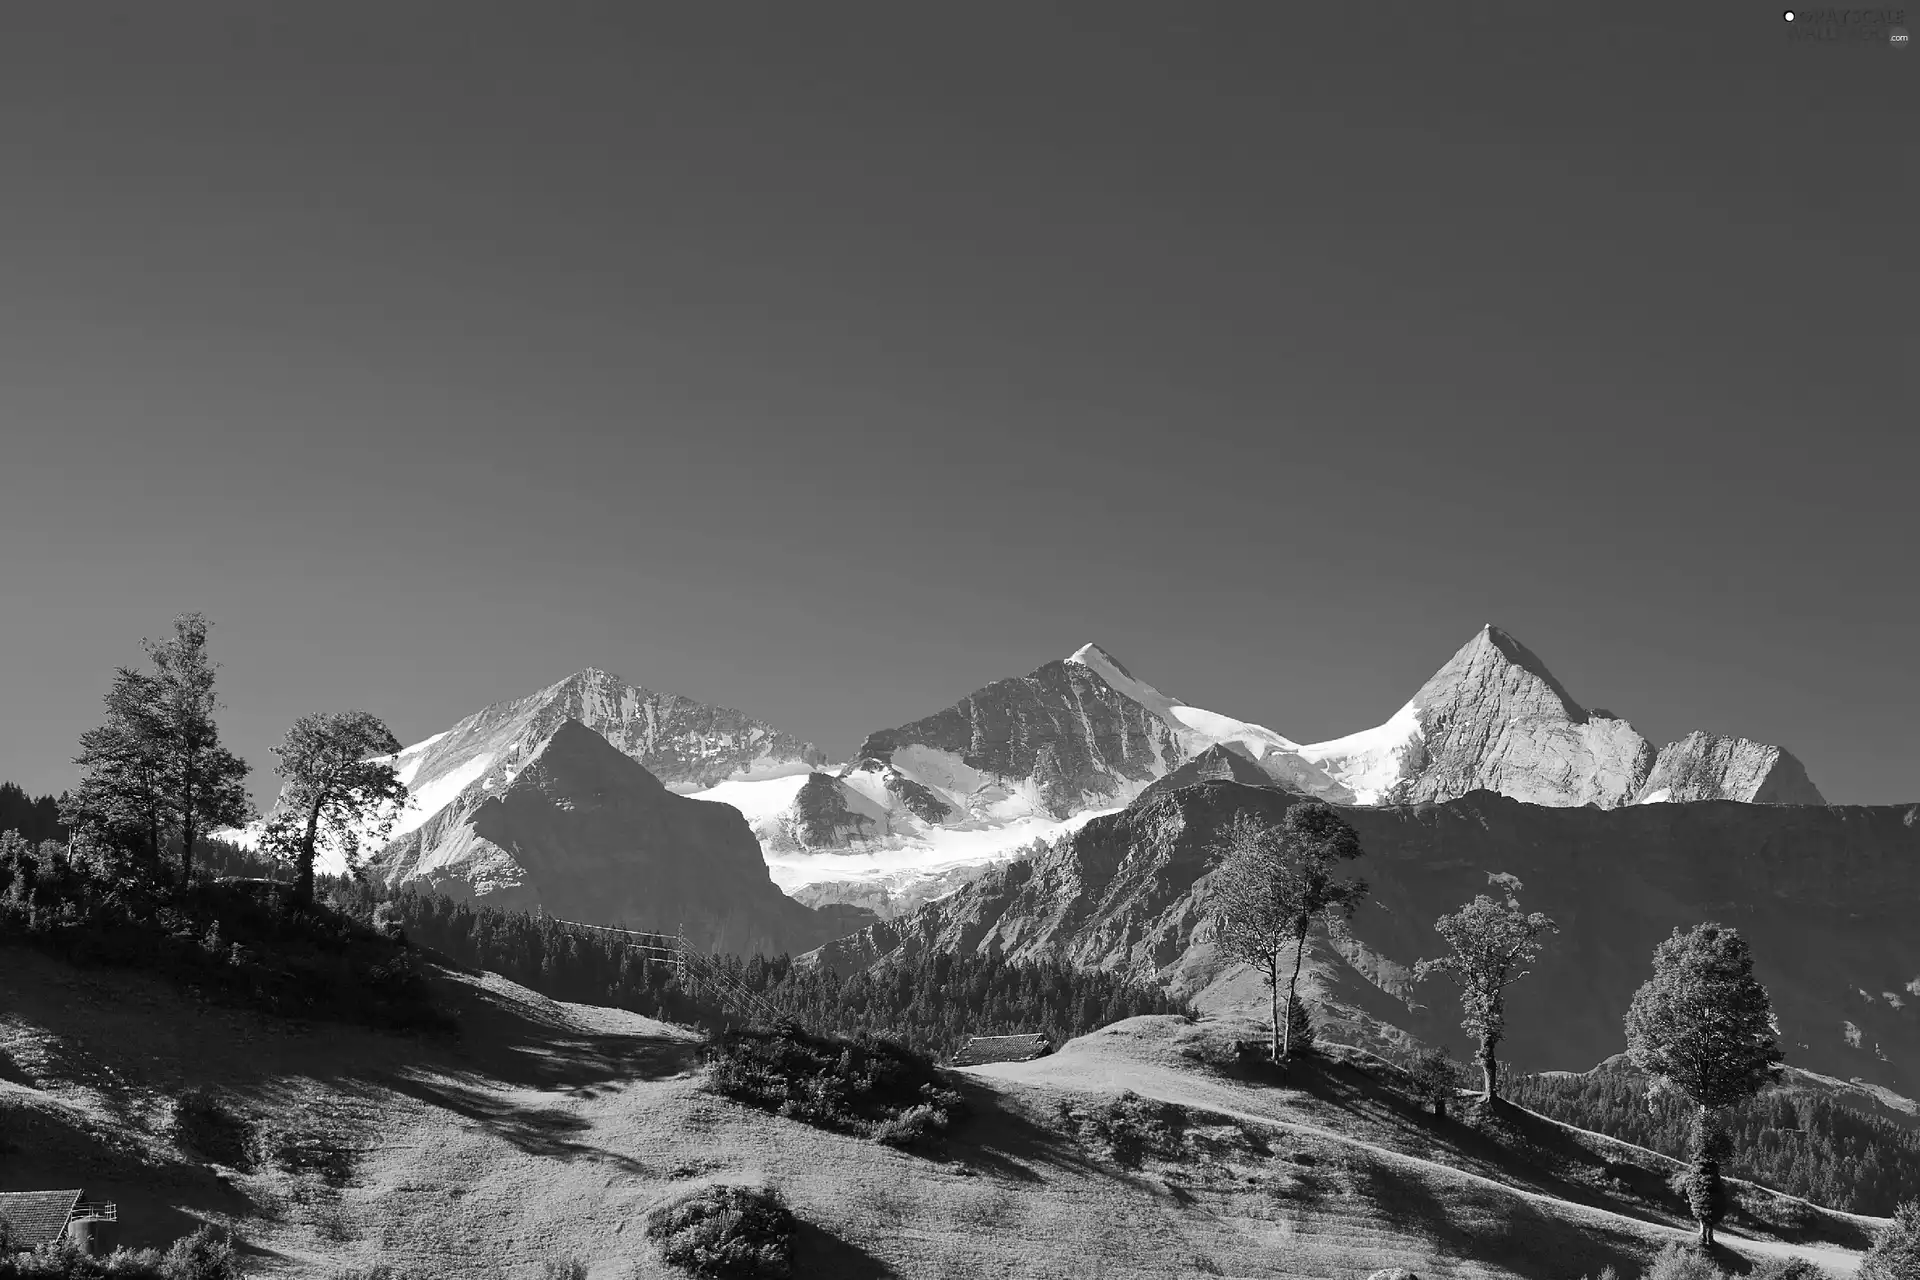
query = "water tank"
{"x": 93, "y": 1235}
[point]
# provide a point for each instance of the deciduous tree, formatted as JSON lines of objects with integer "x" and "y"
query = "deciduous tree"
{"x": 1271, "y": 883}
{"x": 1492, "y": 943}
{"x": 338, "y": 787}
{"x": 1895, "y": 1254}
{"x": 1702, "y": 1027}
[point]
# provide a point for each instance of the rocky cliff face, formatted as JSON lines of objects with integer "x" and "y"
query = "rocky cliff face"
{"x": 687, "y": 745}
{"x": 1824, "y": 894}
{"x": 1705, "y": 766}
{"x": 1215, "y": 764}
{"x": 1495, "y": 719}
{"x": 1059, "y": 740}
{"x": 1028, "y": 758}
{"x": 578, "y": 829}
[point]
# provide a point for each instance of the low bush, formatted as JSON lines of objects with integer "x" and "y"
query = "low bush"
{"x": 726, "y": 1232}
{"x": 866, "y": 1086}
{"x": 1683, "y": 1262}
{"x": 204, "y": 1255}
{"x": 1433, "y": 1078}
{"x": 301, "y": 1151}
{"x": 239, "y": 941}
{"x": 1130, "y": 1127}
{"x": 1786, "y": 1269}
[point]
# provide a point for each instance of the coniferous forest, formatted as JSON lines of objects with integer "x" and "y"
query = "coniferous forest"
{"x": 36, "y": 820}
{"x": 930, "y": 1003}
{"x": 1791, "y": 1140}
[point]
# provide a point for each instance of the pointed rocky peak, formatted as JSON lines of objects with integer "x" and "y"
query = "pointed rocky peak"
{"x": 1494, "y": 660}
{"x": 580, "y": 753}
{"x": 1495, "y": 719}
{"x": 1215, "y": 764}
{"x": 1093, "y": 656}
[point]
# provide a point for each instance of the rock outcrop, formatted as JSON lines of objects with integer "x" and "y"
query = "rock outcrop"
{"x": 827, "y": 814}
{"x": 1706, "y": 766}
{"x": 1215, "y": 764}
{"x": 1056, "y": 741}
{"x": 580, "y": 830}
{"x": 1495, "y": 719}
{"x": 687, "y": 745}
{"x": 1825, "y": 895}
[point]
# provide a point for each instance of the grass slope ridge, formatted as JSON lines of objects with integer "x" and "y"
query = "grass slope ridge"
{"x": 548, "y": 1133}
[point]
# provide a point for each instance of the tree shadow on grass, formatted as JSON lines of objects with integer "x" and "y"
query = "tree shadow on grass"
{"x": 1483, "y": 1224}
{"x": 1004, "y": 1141}
{"x": 513, "y": 1042}
{"x": 539, "y": 1131}
{"x": 818, "y": 1254}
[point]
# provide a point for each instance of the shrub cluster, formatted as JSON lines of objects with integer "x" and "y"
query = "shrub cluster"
{"x": 1895, "y": 1254}
{"x": 725, "y": 1231}
{"x": 867, "y": 1086}
{"x": 1129, "y": 1126}
{"x": 204, "y": 1255}
{"x": 240, "y": 941}
{"x": 1689, "y": 1262}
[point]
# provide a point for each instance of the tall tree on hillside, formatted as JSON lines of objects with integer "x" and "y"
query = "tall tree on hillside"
{"x": 338, "y": 787}
{"x": 122, "y": 801}
{"x": 1271, "y": 883}
{"x": 1703, "y": 1027}
{"x": 1492, "y": 943}
{"x": 1895, "y": 1254}
{"x": 205, "y": 782}
{"x": 154, "y": 771}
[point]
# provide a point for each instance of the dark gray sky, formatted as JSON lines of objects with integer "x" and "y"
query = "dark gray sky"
{"x": 830, "y": 362}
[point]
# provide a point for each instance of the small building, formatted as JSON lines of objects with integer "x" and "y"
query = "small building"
{"x": 34, "y": 1218}
{"x": 981, "y": 1050}
{"x": 29, "y": 1219}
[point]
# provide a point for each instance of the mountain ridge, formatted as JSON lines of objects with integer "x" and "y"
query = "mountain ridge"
{"x": 1823, "y": 893}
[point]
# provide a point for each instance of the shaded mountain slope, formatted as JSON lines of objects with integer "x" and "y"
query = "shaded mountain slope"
{"x": 583, "y": 832}
{"x": 1825, "y": 894}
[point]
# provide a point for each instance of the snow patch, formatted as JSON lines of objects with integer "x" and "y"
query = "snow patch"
{"x": 1372, "y": 762}
{"x": 915, "y": 859}
{"x": 759, "y": 800}
{"x": 441, "y": 792}
{"x": 1208, "y": 727}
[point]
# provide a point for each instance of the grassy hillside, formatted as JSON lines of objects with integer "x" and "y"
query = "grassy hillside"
{"x": 544, "y": 1132}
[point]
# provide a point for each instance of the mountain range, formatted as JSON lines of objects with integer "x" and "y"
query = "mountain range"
{"x": 1071, "y": 812}
{"x": 1025, "y": 761}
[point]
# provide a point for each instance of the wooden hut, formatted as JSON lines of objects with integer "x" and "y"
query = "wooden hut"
{"x": 34, "y": 1218}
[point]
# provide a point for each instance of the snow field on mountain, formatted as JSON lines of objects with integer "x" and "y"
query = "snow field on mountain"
{"x": 903, "y": 859}
{"x": 1370, "y": 762}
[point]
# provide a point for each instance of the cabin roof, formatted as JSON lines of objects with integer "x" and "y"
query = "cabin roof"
{"x": 984, "y": 1049}
{"x": 35, "y": 1218}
